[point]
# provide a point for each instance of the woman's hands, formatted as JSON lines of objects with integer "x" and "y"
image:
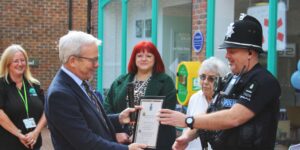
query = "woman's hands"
{"x": 22, "y": 139}
{"x": 31, "y": 138}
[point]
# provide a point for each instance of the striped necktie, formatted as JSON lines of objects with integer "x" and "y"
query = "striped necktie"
{"x": 96, "y": 102}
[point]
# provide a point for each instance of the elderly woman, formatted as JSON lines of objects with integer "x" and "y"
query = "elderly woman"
{"x": 146, "y": 70}
{"x": 21, "y": 102}
{"x": 198, "y": 103}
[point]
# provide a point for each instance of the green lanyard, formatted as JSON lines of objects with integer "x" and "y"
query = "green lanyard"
{"x": 24, "y": 99}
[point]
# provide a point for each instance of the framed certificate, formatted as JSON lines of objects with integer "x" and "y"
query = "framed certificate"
{"x": 146, "y": 130}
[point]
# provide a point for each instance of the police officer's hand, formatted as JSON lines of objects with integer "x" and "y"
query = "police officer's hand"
{"x": 171, "y": 117}
{"x": 181, "y": 143}
{"x": 137, "y": 146}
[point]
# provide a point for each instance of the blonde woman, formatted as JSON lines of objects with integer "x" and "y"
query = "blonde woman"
{"x": 21, "y": 102}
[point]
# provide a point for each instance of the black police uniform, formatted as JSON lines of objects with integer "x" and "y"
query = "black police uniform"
{"x": 259, "y": 91}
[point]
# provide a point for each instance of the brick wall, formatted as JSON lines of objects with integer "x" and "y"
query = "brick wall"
{"x": 94, "y": 19}
{"x": 199, "y": 16}
{"x": 79, "y": 18}
{"x": 37, "y": 25}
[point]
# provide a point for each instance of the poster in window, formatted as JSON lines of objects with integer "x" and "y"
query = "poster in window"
{"x": 148, "y": 26}
{"x": 139, "y": 27}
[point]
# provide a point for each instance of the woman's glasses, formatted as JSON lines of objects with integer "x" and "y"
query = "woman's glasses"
{"x": 208, "y": 77}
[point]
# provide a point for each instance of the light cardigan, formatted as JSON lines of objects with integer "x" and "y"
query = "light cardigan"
{"x": 197, "y": 105}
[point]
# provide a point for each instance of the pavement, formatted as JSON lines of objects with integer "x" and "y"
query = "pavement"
{"x": 47, "y": 144}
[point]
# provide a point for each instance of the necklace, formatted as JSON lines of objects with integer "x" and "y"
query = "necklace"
{"x": 140, "y": 88}
{"x": 140, "y": 83}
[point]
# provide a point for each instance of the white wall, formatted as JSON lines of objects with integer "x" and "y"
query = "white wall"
{"x": 137, "y": 10}
{"x": 224, "y": 15}
{"x": 112, "y": 43}
{"x": 142, "y": 9}
{"x": 162, "y": 5}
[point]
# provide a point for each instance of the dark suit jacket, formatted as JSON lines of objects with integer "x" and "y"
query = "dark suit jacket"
{"x": 74, "y": 121}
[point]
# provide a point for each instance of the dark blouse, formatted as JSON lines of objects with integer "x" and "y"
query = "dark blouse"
{"x": 12, "y": 104}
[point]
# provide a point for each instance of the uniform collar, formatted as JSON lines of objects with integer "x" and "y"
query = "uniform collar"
{"x": 11, "y": 82}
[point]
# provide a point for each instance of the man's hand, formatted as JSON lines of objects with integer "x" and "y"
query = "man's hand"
{"x": 124, "y": 117}
{"x": 122, "y": 138}
{"x": 171, "y": 117}
{"x": 137, "y": 146}
{"x": 181, "y": 143}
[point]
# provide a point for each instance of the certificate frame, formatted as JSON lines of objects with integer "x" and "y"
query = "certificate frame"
{"x": 147, "y": 126}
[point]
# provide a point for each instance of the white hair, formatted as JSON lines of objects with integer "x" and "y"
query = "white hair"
{"x": 71, "y": 43}
{"x": 214, "y": 65}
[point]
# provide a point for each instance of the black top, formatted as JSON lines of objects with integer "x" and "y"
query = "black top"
{"x": 12, "y": 104}
{"x": 259, "y": 91}
{"x": 264, "y": 102}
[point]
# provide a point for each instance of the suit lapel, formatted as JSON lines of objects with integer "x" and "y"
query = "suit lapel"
{"x": 80, "y": 93}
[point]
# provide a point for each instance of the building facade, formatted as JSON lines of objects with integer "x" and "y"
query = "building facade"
{"x": 37, "y": 26}
{"x": 170, "y": 24}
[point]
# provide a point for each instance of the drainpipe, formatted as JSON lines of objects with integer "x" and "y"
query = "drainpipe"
{"x": 88, "y": 23}
{"x": 70, "y": 14}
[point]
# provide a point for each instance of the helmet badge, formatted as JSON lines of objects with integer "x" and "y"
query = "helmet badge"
{"x": 242, "y": 16}
{"x": 229, "y": 31}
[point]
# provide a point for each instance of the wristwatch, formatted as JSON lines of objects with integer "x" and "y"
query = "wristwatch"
{"x": 189, "y": 121}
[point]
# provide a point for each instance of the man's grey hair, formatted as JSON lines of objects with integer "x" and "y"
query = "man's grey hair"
{"x": 71, "y": 43}
{"x": 214, "y": 65}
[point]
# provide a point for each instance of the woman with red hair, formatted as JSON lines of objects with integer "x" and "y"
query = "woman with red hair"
{"x": 146, "y": 70}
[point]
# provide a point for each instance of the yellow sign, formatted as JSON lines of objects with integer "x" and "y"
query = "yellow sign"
{"x": 187, "y": 81}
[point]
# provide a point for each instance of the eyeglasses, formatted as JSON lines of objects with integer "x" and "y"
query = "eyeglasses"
{"x": 208, "y": 77}
{"x": 92, "y": 60}
{"x": 17, "y": 61}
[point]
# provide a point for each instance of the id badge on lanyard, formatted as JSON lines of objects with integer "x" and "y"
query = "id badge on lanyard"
{"x": 28, "y": 122}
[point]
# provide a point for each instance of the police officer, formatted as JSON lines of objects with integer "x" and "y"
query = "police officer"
{"x": 247, "y": 107}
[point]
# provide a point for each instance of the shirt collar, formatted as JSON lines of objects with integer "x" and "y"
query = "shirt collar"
{"x": 10, "y": 81}
{"x": 72, "y": 75}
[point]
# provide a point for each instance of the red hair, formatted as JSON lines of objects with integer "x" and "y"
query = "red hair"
{"x": 150, "y": 48}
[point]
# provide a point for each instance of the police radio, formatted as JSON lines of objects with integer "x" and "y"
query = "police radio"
{"x": 220, "y": 82}
{"x": 232, "y": 83}
{"x": 225, "y": 86}
{"x": 223, "y": 98}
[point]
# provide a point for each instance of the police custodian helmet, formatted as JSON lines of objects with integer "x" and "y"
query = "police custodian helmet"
{"x": 244, "y": 33}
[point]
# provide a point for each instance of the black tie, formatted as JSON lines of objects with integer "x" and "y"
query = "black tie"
{"x": 95, "y": 101}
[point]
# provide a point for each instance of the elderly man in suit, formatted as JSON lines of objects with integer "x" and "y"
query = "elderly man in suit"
{"x": 76, "y": 118}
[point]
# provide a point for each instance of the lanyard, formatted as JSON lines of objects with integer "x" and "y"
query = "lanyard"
{"x": 24, "y": 98}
